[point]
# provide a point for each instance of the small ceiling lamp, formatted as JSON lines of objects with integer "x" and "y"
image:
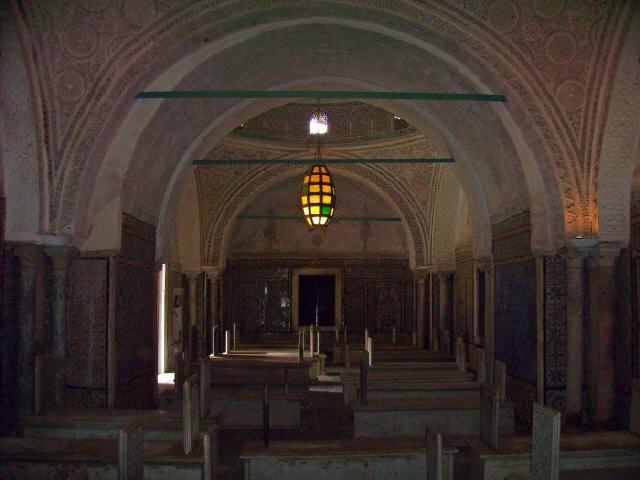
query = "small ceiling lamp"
{"x": 318, "y": 198}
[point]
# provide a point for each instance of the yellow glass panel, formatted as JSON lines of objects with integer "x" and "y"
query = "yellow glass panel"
{"x": 316, "y": 169}
{"x": 314, "y": 188}
{"x": 315, "y": 210}
{"x": 326, "y": 179}
{"x": 324, "y": 169}
{"x": 308, "y": 221}
{"x": 326, "y": 199}
{"x": 304, "y": 199}
{"x": 315, "y": 178}
{"x": 305, "y": 210}
{"x": 314, "y": 198}
{"x": 316, "y": 220}
{"x": 323, "y": 220}
{"x": 306, "y": 179}
{"x": 326, "y": 189}
{"x": 332, "y": 212}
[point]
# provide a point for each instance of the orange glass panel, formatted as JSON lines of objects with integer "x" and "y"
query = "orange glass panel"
{"x": 326, "y": 179}
{"x": 326, "y": 189}
{"x": 315, "y": 178}
{"x": 314, "y": 188}
{"x": 306, "y": 179}
{"x": 314, "y": 198}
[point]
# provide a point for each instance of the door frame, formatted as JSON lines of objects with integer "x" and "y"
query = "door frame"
{"x": 295, "y": 293}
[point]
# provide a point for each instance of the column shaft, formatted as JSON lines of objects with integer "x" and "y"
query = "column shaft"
{"x": 575, "y": 264}
{"x": 420, "y": 311}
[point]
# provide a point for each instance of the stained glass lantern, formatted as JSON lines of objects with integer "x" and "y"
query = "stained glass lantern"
{"x": 318, "y": 198}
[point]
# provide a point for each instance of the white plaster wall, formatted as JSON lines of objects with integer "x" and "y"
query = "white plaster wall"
{"x": 293, "y": 237}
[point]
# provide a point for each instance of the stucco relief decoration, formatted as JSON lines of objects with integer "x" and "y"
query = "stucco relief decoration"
{"x": 547, "y": 53}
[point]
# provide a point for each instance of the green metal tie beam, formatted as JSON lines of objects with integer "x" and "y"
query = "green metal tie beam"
{"x": 335, "y": 219}
{"x": 314, "y": 161}
{"x": 324, "y": 94}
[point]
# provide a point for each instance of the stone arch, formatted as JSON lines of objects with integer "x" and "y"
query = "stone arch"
{"x": 445, "y": 26}
{"x": 217, "y": 233}
{"x": 621, "y": 143}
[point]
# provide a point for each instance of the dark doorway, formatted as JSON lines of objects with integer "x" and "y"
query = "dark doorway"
{"x": 317, "y": 300}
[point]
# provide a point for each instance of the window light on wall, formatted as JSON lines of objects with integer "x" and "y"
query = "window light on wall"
{"x": 319, "y": 123}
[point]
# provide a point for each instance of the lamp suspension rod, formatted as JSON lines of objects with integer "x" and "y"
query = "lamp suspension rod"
{"x": 312, "y": 161}
{"x": 343, "y": 94}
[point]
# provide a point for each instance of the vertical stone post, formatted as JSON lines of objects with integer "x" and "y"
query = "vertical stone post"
{"x": 60, "y": 260}
{"x": 311, "y": 347}
{"x": 214, "y": 306}
{"x": 192, "y": 277}
{"x": 434, "y": 331}
{"x": 28, "y": 257}
{"x": 575, "y": 314}
{"x": 603, "y": 298}
{"x": 421, "y": 311}
{"x": 443, "y": 316}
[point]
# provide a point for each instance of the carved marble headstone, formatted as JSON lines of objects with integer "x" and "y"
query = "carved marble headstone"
{"x": 490, "y": 416}
{"x": 545, "y": 443}
{"x": 434, "y": 455}
{"x": 210, "y": 452}
{"x": 481, "y": 365}
{"x": 131, "y": 452}
{"x": 461, "y": 354}
{"x": 501, "y": 378}
{"x": 205, "y": 386}
{"x": 634, "y": 414}
{"x": 190, "y": 412}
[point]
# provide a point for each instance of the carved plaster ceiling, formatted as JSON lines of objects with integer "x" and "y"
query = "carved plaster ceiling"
{"x": 554, "y": 58}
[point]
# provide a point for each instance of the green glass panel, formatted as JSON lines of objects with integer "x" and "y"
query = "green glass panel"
{"x": 326, "y": 210}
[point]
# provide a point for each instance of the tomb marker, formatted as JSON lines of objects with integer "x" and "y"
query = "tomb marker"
{"x": 481, "y": 366}
{"x": 370, "y": 350}
{"x": 501, "y": 379}
{"x": 545, "y": 443}
{"x": 347, "y": 359}
{"x": 318, "y": 339}
{"x": 434, "y": 455}
{"x": 634, "y": 420}
{"x": 210, "y": 452}
{"x": 461, "y": 354}
{"x": 190, "y": 413}
{"x": 227, "y": 342}
{"x": 235, "y": 336}
{"x": 205, "y": 386}
{"x": 311, "y": 347}
{"x": 489, "y": 416}
{"x": 131, "y": 452}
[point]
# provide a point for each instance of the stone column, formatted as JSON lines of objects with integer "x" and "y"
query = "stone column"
{"x": 421, "y": 317}
{"x": 602, "y": 292}
{"x": 60, "y": 260}
{"x": 434, "y": 332}
{"x": 28, "y": 256}
{"x": 575, "y": 315}
{"x": 214, "y": 304}
{"x": 192, "y": 277}
{"x": 445, "y": 304}
{"x": 486, "y": 266}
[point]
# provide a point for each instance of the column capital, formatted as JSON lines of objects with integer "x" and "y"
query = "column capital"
{"x": 484, "y": 263}
{"x": 421, "y": 273}
{"x": 212, "y": 272}
{"x": 60, "y": 256}
{"x": 607, "y": 253}
{"x": 446, "y": 275}
{"x": 192, "y": 275}
{"x": 28, "y": 255}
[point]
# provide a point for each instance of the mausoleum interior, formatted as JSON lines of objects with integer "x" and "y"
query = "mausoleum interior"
{"x": 320, "y": 239}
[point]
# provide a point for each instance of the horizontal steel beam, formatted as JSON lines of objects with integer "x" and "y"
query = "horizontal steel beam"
{"x": 343, "y": 94}
{"x": 335, "y": 219}
{"x": 313, "y": 161}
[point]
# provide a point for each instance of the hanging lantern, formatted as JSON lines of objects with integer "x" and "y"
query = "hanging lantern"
{"x": 318, "y": 198}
